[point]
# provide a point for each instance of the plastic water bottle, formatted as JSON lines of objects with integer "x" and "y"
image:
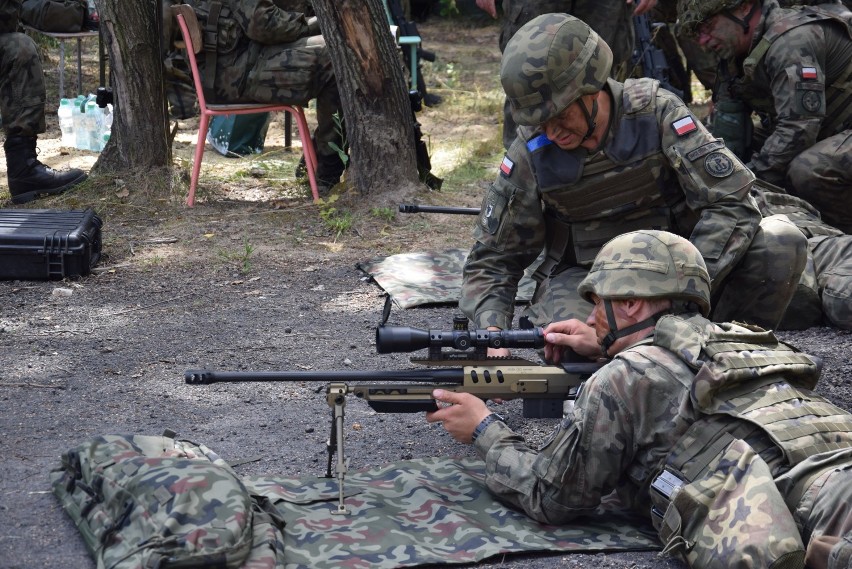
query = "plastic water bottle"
{"x": 81, "y": 139}
{"x": 66, "y": 122}
{"x": 93, "y": 122}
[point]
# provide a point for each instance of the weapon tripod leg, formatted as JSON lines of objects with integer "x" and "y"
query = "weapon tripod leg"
{"x": 337, "y": 433}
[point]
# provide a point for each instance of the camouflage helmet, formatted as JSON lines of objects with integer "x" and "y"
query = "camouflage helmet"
{"x": 552, "y": 61}
{"x": 692, "y": 13}
{"x": 649, "y": 264}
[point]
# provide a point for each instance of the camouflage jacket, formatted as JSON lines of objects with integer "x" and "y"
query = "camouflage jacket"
{"x": 658, "y": 168}
{"x": 798, "y": 74}
{"x": 244, "y": 26}
{"x": 627, "y": 419}
{"x": 10, "y": 11}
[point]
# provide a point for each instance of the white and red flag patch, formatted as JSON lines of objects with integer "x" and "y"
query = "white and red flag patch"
{"x": 684, "y": 126}
{"x": 809, "y": 73}
{"x": 506, "y": 166}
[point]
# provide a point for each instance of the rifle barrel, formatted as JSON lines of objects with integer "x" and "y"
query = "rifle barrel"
{"x": 206, "y": 377}
{"x": 412, "y": 208}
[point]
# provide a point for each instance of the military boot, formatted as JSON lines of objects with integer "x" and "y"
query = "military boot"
{"x": 30, "y": 179}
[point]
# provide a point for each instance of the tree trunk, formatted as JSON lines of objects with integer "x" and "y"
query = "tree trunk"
{"x": 376, "y": 108}
{"x": 139, "y": 141}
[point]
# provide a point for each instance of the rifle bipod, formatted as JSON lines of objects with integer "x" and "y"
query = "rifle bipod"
{"x": 336, "y": 396}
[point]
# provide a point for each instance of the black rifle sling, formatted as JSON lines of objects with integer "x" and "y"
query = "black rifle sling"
{"x": 211, "y": 33}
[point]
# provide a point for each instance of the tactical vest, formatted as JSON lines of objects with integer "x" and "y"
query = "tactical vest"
{"x": 760, "y": 418}
{"x": 838, "y": 94}
{"x": 625, "y": 187}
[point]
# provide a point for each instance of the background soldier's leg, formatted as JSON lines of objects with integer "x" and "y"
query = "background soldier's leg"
{"x": 822, "y": 175}
{"x": 760, "y": 287}
{"x": 833, "y": 264}
{"x": 21, "y": 86}
{"x": 557, "y": 299}
{"x": 805, "y": 309}
{"x": 294, "y": 74}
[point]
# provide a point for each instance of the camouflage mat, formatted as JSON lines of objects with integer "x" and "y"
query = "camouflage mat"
{"x": 427, "y": 511}
{"x": 435, "y": 277}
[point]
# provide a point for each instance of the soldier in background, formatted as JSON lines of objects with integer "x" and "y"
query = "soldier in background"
{"x": 712, "y": 431}
{"x": 267, "y": 53}
{"x": 596, "y": 158}
{"x": 794, "y": 67}
{"x": 824, "y": 294}
{"x": 22, "y": 95}
{"x": 611, "y": 19}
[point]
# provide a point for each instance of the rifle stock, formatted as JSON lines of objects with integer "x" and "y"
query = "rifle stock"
{"x": 650, "y": 57}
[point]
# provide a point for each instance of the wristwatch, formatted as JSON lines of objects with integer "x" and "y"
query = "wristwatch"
{"x": 480, "y": 428}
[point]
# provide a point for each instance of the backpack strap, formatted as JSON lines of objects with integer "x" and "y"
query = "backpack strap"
{"x": 210, "y": 43}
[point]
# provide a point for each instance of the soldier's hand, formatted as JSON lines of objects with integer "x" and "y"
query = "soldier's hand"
{"x": 460, "y": 413}
{"x": 642, "y": 6}
{"x": 573, "y": 334}
{"x": 487, "y": 5}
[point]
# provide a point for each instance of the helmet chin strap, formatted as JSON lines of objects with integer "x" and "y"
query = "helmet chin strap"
{"x": 590, "y": 118}
{"x": 615, "y": 333}
{"x": 744, "y": 24}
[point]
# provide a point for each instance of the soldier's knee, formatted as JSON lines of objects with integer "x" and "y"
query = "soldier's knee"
{"x": 21, "y": 49}
{"x": 784, "y": 244}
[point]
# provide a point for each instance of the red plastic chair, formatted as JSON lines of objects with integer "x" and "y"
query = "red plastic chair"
{"x": 188, "y": 23}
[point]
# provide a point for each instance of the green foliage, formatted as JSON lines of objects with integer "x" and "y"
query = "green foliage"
{"x": 449, "y": 8}
{"x": 337, "y": 220}
{"x": 341, "y": 132}
{"x": 385, "y": 213}
{"x": 241, "y": 258}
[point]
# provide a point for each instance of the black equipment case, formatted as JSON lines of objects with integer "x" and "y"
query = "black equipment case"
{"x": 42, "y": 244}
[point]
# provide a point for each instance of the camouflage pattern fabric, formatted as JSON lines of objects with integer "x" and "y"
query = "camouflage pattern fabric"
{"x": 798, "y": 75}
{"x": 142, "y": 501}
{"x": 268, "y": 54}
{"x": 631, "y": 414}
{"x": 647, "y": 176}
{"x": 432, "y": 277}
{"x": 825, "y": 288}
{"x": 609, "y": 18}
{"x": 427, "y": 511}
{"x": 22, "y": 91}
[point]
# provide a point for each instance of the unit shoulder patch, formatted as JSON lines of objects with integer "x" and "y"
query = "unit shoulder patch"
{"x": 718, "y": 164}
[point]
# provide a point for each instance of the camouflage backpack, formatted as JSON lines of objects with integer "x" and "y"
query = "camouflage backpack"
{"x": 155, "y": 502}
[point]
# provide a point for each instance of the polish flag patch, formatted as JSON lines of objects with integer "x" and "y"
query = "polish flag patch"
{"x": 506, "y": 166}
{"x": 684, "y": 126}
{"x": 809, "y": 73}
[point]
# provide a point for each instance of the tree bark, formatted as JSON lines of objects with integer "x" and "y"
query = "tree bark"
{"x": 139, "y": 141}
{"x": 374, "y": 96}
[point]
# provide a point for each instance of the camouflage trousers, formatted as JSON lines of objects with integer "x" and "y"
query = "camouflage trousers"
{"x": 611, "y": 19}
{"x": 756, "y": 291}
{"x": 823, "y": 512}
{"x": 22, "y": 91}
{"x": 295, "y": 73}
{"x": 830, "y": 284}
{"x": 822, "y": 175}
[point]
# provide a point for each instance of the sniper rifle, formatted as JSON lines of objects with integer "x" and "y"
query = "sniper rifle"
{"x": 543, "y": 388}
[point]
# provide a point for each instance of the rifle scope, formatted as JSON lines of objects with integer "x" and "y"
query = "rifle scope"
{"x": 391, "y": 339}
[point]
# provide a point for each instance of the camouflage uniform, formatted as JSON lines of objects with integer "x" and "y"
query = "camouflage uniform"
{"x": 647, "y": 175}
{"x": 22, "y": 90}
{"x": 798, "y": 74}
{"x": 630, "y": 419}
{"x": 22, "y": 96}
{"x": 611, "y": 19}
{"x": 267, "y": 54}
{"x": 825, "y": 288}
